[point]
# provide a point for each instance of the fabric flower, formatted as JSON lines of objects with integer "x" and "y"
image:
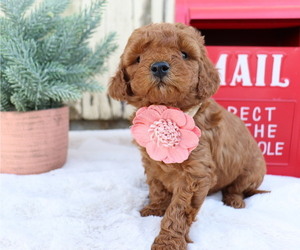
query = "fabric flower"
{"x": 168, "y": 134}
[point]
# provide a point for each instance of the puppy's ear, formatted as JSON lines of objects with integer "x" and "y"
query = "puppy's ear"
{"x": 208, "y": 78}
{"x": 119, "y": 86}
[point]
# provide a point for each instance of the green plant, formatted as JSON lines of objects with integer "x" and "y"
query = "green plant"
{"x": 45, "y": 58}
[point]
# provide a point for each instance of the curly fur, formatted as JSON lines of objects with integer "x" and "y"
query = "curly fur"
{"x": 227, "y": 157}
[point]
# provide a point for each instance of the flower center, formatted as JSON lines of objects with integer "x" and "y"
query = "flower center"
{"x": 165, "y": 132}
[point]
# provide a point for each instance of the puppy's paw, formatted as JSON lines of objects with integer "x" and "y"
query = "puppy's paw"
{"x": 167, "y": 242}
{"x": 234, "y": 200}
{"x": 150, "y": 210}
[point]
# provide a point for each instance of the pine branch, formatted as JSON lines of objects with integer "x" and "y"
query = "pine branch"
{"x": 5, "y": 93}
{"x": 71, "y": 35}
{"x": 15, "y": 9}
{"x": 58, "y": 45}
{"x": 8, "y": 29}
{"x": 45, "y": 58}
{"x": 91, "y": 18}
{"x": 60, "y": 92}
{"x": 44, "y": 19}
{"x": 17, "y": 99}
{"x": 103, "y": 50}
{"x": 22, "y": 72}
{"x": 91, "y": 86}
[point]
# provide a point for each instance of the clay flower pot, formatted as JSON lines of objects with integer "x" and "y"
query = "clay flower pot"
{"x": 33, "y": 142}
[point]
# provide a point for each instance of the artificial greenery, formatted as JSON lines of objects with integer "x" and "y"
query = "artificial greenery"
{"x": 45, "y": 57}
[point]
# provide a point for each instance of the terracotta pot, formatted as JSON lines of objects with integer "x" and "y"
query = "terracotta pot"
{"x": 33, "y": 142}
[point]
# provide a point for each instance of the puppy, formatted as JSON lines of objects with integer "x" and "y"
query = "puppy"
{"x": 227, "y": 157}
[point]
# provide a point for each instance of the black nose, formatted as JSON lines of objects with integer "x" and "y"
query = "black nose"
{"x": 160, "y": 69}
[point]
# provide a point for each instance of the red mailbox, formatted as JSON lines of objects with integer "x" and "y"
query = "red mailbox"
{"x": 256, "y": 47}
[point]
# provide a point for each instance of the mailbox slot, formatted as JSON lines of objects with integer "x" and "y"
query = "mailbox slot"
{"x": 272, "y": 37}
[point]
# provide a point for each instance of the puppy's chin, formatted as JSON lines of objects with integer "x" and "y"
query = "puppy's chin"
{"x": 161, "y": 84}
{"x": 163, "y": 94}
{"x": 167, "y": 91}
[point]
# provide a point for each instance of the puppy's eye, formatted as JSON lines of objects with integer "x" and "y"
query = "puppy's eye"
{"x": 184, "y": 55}
{"x": 138, "y": 59}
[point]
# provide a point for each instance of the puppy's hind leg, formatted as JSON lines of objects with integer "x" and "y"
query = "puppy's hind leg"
{"x": 242, "y": 187}
{"x": 159, "y": 197}
{"x": 233, "y": 198}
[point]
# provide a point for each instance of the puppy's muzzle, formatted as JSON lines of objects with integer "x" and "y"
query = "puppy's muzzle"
{"x": 160, "y": 69}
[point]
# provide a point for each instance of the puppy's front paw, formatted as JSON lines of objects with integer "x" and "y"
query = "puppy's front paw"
{"x": 167, "y": 242}
{"x": 150, "y": 210}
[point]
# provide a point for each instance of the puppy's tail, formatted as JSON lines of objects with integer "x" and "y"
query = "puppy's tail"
{"x": 255, "y": 191}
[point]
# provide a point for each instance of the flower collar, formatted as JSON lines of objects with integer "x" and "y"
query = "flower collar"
{"x": 167, "y": 133}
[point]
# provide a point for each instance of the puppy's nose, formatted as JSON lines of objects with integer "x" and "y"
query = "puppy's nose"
{"x": 160, "y": 69}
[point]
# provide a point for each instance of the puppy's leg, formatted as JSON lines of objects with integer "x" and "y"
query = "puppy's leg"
{"x": 160, "y": 199}
{"x": 233, "y": 198}
{"x": 243, "y": 187}
{"x": 186, "y": 202}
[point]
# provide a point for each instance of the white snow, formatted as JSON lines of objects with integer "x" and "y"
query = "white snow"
{"x": 93, "y": 202}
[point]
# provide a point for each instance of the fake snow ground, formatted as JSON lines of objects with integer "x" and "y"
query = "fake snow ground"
{"x": 93, "y": 202}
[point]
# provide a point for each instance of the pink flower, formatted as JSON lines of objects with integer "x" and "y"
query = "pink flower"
{"x": 168, "y": 134}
